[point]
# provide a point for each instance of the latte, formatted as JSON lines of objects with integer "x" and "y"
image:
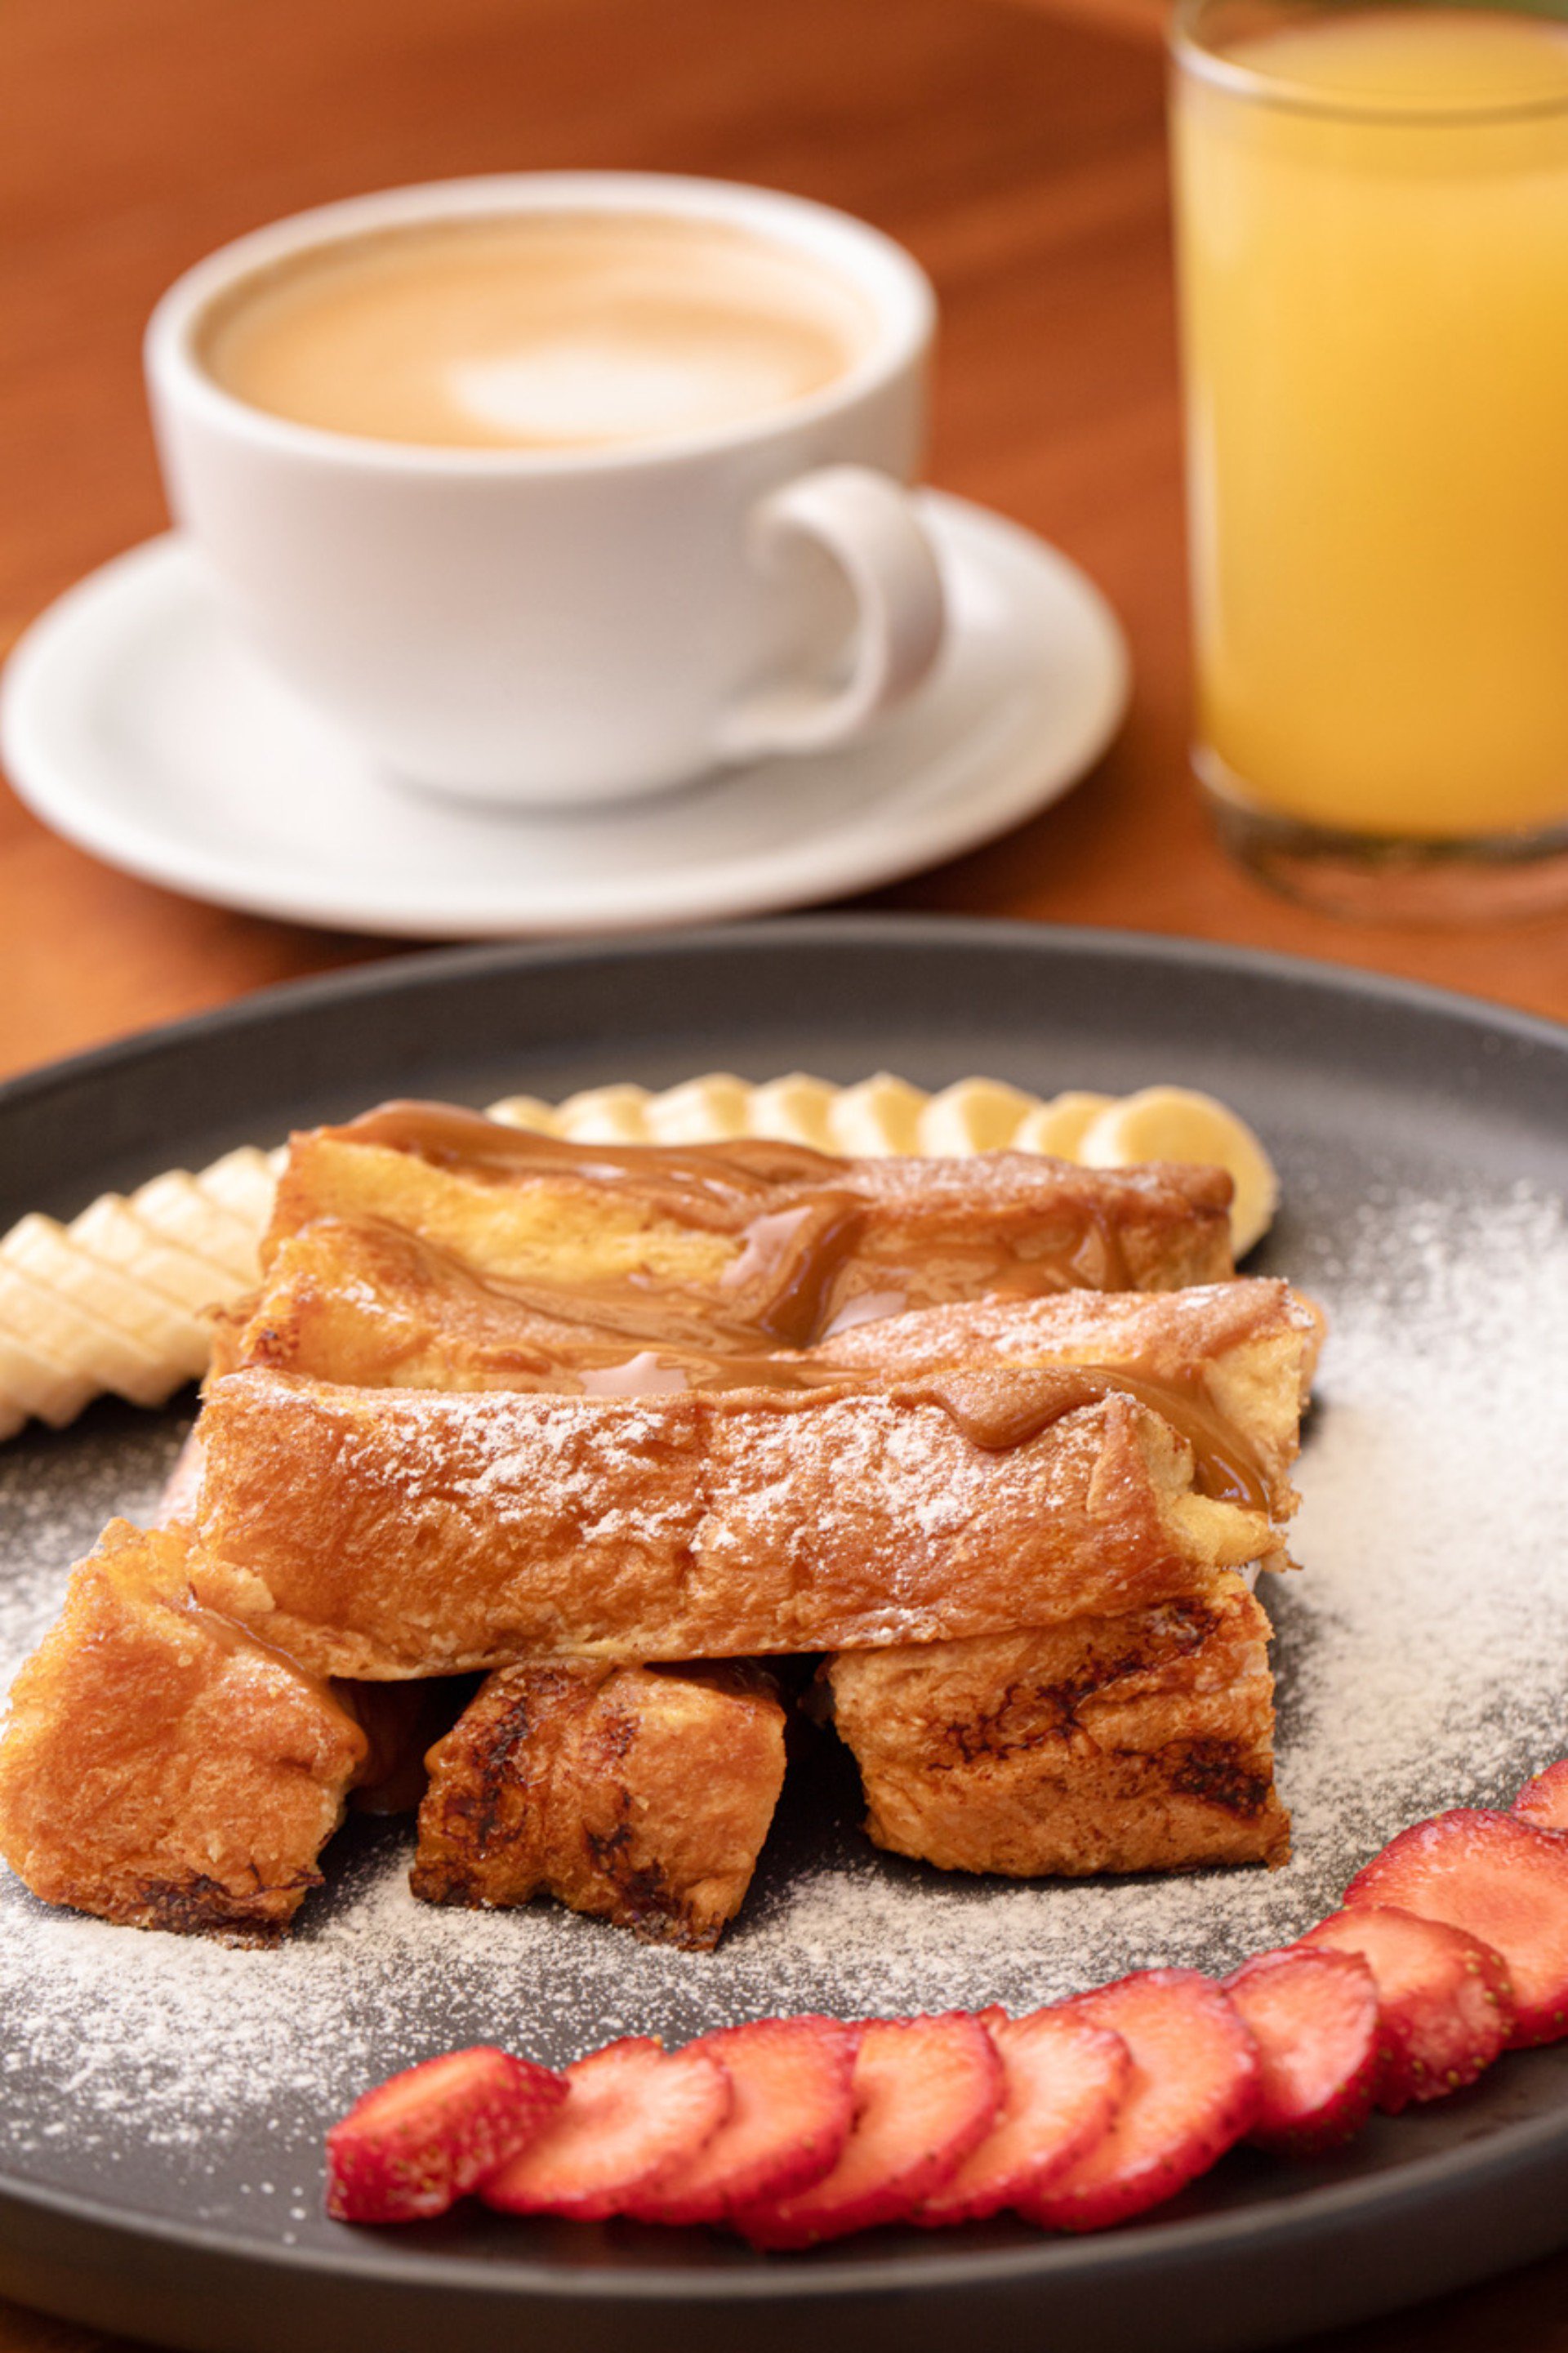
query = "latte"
{"x": 561, "y": 332}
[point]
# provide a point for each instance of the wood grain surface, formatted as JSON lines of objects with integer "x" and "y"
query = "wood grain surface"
{"x": 1016, "y": 146}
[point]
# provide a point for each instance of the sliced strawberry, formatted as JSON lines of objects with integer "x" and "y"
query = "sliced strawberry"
{"x": 926, "y": 2092}
{"x": 1444, "y": 2005}
{"x": 1503, "y": 1881}
{"x": 1065, "y": 2080}
{"x": 1544, "y": 1800}
{"x": 790, "y": 2115}
{"x": 418, "y": 2142}
{"x": 1313, "y": 2015}
{"x": 633, "y": 2112}
{"x": 1193, "y": 2090}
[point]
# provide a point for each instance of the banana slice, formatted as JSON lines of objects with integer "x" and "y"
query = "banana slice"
{"x": 973, "y": 1115}
{"x": 172, "y": 1344}
{"x": 175, "y": 1207}
{"x": 1177, "y": 1124}
{"x": 31, "y": 1381}
{"x": 1059, "y": 1127}
{"x": 878, "y": 1117}
{"x": 605, "y": 1115}
{"x": 66, "y": 1302}
{"x": 242, "y": 1183}
{"x": 704, "y": 1111}
{"x": 526, "y": 1112}
{"x": 793, "y": 1109}
{"x": 110, "y": 1230}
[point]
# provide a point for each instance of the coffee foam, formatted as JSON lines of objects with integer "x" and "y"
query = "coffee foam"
{"x": 537, "y": 331}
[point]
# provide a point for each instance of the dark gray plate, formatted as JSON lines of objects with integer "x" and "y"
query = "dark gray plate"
{"x": 164, "y": 2104}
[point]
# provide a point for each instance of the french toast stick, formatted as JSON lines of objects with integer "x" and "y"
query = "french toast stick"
{"x": 163, "y": 1767}
{"x": 1138, "y": 1742}
{"x": 641, "y": 1795}
{"x": 776, "y": 1243}
{"x": 370, "y": 1303}
{"x": 1223, "y": 1359}
{"x": 384, "y": 1534}
{"x": 371, "y": 1306}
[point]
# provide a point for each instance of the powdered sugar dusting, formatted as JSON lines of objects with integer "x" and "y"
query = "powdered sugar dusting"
{"x": 1421, "y": 1664}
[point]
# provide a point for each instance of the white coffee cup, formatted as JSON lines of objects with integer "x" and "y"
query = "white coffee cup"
{"x": 540, "y": 626}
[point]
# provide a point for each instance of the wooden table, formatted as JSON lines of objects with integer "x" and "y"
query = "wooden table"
{"x": 1018, "y": 149}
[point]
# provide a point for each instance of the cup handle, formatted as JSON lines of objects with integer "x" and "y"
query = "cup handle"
{"x": 866, "y": 523}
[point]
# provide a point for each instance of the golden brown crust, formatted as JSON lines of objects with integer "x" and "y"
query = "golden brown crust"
{"x": 641, "y": 1796}
{"x": 1248, "y": 1346}
{"x": 163, "y": 1767}
{"x": 368, "y": 1306}
{"x": 1142, "y": 1742}
{"x": 384, "y": 1533}
{"x": 387, "y": 1533}
{"x": 371, "y": 1306}
{"x": 776, "y": 1241}
{"x": 1164, "y": 1226}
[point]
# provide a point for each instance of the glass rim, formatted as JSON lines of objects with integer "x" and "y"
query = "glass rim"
{"x": 1192, "y": 55}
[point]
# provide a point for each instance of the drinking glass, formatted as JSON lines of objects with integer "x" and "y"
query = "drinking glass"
{"x": 1373, "y": 250}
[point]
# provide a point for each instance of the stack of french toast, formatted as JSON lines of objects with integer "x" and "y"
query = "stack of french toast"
{"x": 535, "y": 1480}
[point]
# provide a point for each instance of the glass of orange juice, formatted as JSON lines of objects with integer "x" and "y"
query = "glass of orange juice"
{"x": 1372, "y": 250}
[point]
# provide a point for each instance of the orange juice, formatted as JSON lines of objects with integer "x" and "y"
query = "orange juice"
{"x": 1373, "y": 223}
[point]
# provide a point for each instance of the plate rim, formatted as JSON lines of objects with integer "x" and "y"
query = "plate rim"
{"x": 408, "y": 967}
{"x": 1280, "y": 2222}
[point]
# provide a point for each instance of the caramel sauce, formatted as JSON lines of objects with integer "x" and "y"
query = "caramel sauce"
{"x": 794, "y": 1258}
{"x": 1003, "y": 1406}
{"x": 244, "y": 1645}
{"x": 994, "y": 1406}
{"x": 724, "y": 1178}
{"x": 999, "y": 1407}
{"x": 807, "y": 1266}
{"x": 803, "y": 1263}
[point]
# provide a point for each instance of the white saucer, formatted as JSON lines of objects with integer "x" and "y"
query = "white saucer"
{"x": 137, "y": 725}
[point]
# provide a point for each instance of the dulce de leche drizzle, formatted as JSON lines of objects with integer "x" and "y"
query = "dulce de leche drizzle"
{"x": 721, "y": 1184}
{"x": 819, "y": 1241}
{"x": 995, "y": 1406}
{"x": 791, "y": 1249}
{"x": 243, "y": 1646}
{"x": 820, "y": 1249}
{"x": 999, "y": 1407}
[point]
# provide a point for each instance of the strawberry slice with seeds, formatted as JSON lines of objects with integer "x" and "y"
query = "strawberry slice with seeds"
{"x": 417, "y": 2143}
{"x": 791, "y": 2109}
{"x": 926, "y": 2092}
{"x": 633, "y": 2112}
{"x": 1444, "y": 2005}
{"x": 1544, "y": 1800}
{"x": 1500, "y": 1879}
{"x": 1193, "y": 2090}
{"x": 1314, "y": 2016}
{"x": 1064, "y": 2083}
